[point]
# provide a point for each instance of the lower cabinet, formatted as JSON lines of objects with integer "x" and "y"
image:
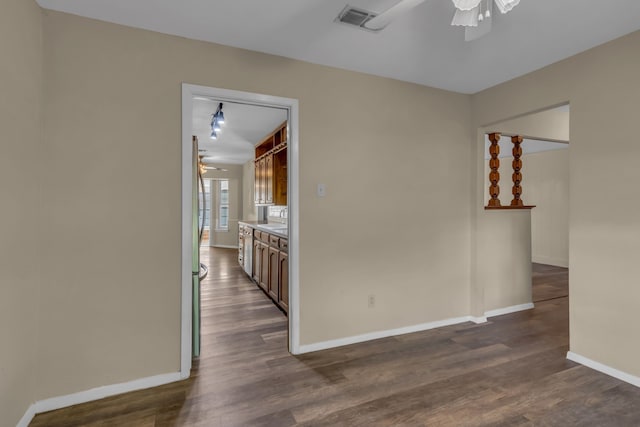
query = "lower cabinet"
{"x": 283, "y": 282}
{"x": 270, "y": 266}
{"x": 273, "y": 285}
{"x": 264, "y": 266}
{"x": 255, "y": 261}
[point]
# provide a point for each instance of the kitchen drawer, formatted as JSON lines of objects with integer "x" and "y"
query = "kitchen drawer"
{"x": 274, "y": 240}
{"x": 284, "y": 245}
{"x": 257, "y": 234}
{"x": 264, "y": 237}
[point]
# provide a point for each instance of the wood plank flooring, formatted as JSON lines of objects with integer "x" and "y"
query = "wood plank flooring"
{"x": 511, "y": 371}
{"x": 549, "y": 282}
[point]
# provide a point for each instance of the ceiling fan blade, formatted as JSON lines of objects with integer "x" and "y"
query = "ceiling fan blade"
{"x": 213, "y": 168}
{"x": 382, "y": 20}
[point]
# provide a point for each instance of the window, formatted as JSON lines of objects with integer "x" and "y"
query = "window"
{"x": 205, "y": 214}
{"x": 222, "y": 220}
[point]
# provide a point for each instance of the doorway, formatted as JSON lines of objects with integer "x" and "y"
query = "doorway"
{"x": 544, "y": 158}
{"x": 190, "y": 94}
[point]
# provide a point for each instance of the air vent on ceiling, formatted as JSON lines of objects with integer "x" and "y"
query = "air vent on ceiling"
{"x": 355, "y": 17}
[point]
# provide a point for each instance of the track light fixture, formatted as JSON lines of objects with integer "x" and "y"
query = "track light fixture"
{"x": 217, "y": 119}
{"x": 220, "y": 114}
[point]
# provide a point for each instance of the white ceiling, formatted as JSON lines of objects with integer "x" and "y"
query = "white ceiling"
{"x": 418, "y": 47}
{"x": 245, "y": 125}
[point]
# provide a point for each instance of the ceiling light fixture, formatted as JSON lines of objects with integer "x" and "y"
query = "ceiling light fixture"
{"x": 217, "y": 119}
{"x": 220, "y": 114}
{"x": 470, "y": 12}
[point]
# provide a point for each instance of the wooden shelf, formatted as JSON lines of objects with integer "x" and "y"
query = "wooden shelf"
{"x": 271, "y": 169}
{"x": 494, "y": 208}
{"x": 275, "y": 139}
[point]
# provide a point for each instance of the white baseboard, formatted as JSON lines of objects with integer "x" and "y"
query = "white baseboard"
{"x": 27, "y": 417}
{"x": 542, "y": 259}
{"x": 478, "y": 320}
{"x": 95, "y": 394}
{"x": 324, "y": 345}
{"x": 612, "y": 372}
{"x": 224, "y": 246}
{"x": 508, "y": 310}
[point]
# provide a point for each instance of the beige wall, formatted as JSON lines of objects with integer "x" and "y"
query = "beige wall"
{"x": 394, "y": 228}
{"x": 504, "y": 253}
{"x": 20, "y": 179}
{"x": 545, "y": 184}
{"x": 549, "y": 125}
{"x": 604, "y": 243}
{"x": 235, "y": 175}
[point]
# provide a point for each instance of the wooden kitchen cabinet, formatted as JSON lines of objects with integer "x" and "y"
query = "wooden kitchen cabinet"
{"x": 270, "y": 185}
{"x": 270, "y": 266}
{"x": 274, "y": 277}
{"x": 268, "y": 174}
{"x": 283, "y": 280}
{"x": 264, "y": 266}
{"x": 257, "y": 267}
{"x": 280, "y": 177}
{"x": 256, "y": 186}
{"x": 260, "y": 188}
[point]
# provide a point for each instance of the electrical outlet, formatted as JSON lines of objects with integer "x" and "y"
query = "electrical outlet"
{"x": 371, "y": 301}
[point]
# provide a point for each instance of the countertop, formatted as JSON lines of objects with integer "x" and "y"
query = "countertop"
{"x": 275, "y": 228}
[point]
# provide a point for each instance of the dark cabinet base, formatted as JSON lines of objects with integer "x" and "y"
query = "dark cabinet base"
{"x": 270, "y": 267}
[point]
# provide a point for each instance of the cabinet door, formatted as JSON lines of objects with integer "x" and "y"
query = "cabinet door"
{"x": 256, "y": 267}
{"x": 272, "y": 285}
{"x": 268, "y": 179}
{"x": 283, "y": 283}
{"x": 264, "y": 266}
{"x": 256, "y": 186}
{"x": 263, "y": 180}
{"x": 280, "y": 177}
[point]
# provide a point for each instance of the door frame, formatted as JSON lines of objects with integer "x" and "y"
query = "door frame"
{"x": 189, "y": 91}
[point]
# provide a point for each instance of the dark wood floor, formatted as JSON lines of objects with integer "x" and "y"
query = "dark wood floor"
{"x": 511, "y": 371}
{"x": 549, "y": 282}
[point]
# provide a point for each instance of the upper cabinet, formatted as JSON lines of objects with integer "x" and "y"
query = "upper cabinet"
{"x": 271, "y": 168}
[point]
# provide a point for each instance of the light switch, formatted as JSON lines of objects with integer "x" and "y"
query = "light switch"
{"x": 322, "y": 190}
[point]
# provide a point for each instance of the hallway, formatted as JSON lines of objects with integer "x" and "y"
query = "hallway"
{"x": 549, "y": 282}
{"x": 509, "y": 371}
